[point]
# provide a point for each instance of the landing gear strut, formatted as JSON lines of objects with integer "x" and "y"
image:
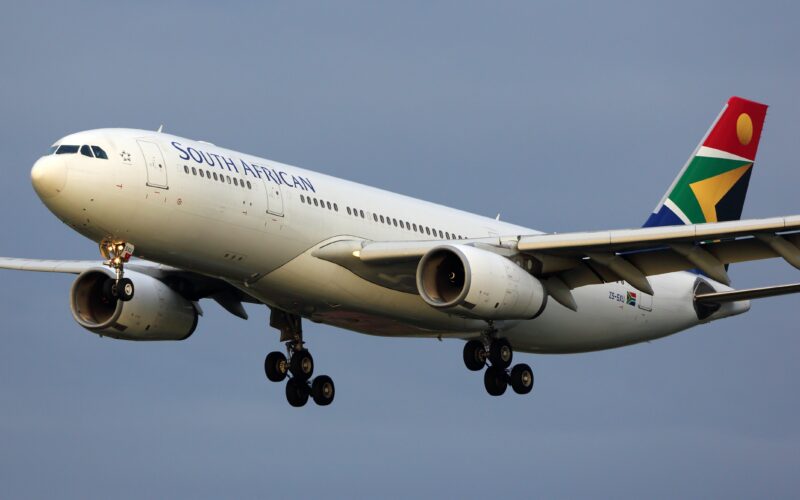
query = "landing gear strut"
{"x": 297, "y": 364}
{"x": 116, "y": 255}
{"x": 496, "y": 354}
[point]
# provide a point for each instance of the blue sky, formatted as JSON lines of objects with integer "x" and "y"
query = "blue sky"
{"x": 560, "y": 116}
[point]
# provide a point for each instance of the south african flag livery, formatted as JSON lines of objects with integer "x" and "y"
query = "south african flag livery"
{"x": 712, "y": 185}
{"x": 631, "y": 299}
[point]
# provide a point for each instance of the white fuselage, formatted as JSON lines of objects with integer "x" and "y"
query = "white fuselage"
{"x": 254, "y": 223}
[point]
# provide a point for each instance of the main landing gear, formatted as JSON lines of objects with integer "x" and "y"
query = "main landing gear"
{"x": 297, "y": 364}
{"x": 116, "y": 255}
{"x": 498, "y": 353}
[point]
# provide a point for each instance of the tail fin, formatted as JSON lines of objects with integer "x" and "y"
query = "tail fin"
{"x": 712, "y": 185}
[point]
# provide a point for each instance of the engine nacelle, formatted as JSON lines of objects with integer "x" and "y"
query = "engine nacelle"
{"x": 477, "y": 283}
{"x": 156, "y": 312}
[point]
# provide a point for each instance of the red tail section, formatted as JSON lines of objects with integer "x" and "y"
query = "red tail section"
{"x": 738, "y": 129}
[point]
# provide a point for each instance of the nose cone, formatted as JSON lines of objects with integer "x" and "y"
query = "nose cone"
{"x": 49, "y": 176}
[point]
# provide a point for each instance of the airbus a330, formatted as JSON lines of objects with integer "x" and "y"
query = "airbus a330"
{"x": 178, "y": 220}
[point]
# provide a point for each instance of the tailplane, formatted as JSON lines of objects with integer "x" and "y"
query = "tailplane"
{"x": 712, "y": 185}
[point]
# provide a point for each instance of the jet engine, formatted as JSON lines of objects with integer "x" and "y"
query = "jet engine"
{"x": 156, "y": 312}
{"x": 478, "y": 283}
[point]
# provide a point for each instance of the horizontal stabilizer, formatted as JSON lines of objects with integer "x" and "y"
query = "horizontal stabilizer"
{"x": 751, "y": 293}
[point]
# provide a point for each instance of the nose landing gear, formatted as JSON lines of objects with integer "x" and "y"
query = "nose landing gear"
{"x": 116, "y": 255}
{"x": 297, "y": 364}
{"x": 497, "y": 351}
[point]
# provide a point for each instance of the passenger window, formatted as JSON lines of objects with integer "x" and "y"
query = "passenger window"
{"x": 447, "y": 235}
{"x": 335, "y": 207}
{"x": 194, "y": 171}
{"x": 236, "y": 182}
{"x": 215, "y": 176}
{"x": 99, "y": 153}
{"x": 375, "y": 216}
{"x": 329, "y": 204}
{"x": 66, "y": 150}
{"x": 229, "y": 178}
{"x": 382, "y": 219}
{"x": 86, "y": 151}
{"x": 302, "y": 199}
{"x": 394, "y": 221}
{"x": 441, "y": 234}
{"x": 186, "y": 168}
{"x": 362, "y": 214}
{"x": 414, "y": 226}
{"x": 348, "y": 211}
{"x": 428, "y": 230}
{"x": 201, "y": 173}
{"x": 249, "y": 186}
{"x": 316, "y": 202}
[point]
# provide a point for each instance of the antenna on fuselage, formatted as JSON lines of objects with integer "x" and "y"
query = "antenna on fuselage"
{"x": 160, "y": 128}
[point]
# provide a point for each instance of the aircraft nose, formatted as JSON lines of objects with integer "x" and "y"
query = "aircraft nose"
{"x": 49, "y": 175}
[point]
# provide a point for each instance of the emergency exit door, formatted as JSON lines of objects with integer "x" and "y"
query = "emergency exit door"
{"x": 274, "y": 199}
{"x": 155, "y": 164}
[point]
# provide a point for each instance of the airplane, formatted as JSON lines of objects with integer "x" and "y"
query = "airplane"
{"x": 179, "y": 220}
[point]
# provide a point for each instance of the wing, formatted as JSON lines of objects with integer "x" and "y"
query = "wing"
{"x": 192, "y": 286}
{"x": 571, "y": 260}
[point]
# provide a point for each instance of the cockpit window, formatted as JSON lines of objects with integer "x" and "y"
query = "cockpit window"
{"x": 65, "y": 149}
{"x": 99, "y": 153}
{"x": 51, "y": 150}
{"x": 86, "y": 151}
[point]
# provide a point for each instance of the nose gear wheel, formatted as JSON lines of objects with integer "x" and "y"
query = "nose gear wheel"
{"x": 116, "y": 254}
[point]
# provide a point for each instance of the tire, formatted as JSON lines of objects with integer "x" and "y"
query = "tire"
{"x": 302, "y": 365}
{"x": 109, "y": 291}
{"x": 323, "y": 390}
{"x": 296, "y": 393}
{"x": 522, "y": 378}
{"x": 275, "y": 366}
{"x": 474, "y": 355}
{"x": 495, "y": 381}
{"x": 500, "y": 353}
{"x": 125, "y": 289}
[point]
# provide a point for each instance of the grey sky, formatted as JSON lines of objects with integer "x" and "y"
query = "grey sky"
{"x": 561, "y": 116}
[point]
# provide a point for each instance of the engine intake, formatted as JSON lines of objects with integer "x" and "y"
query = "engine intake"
{"x": 156, "y": 312}
{"x": 478, "y": 284}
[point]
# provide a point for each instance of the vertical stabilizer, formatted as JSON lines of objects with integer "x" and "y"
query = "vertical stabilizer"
{"x": 712, "y": 185}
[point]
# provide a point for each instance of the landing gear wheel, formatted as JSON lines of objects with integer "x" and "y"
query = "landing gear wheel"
{"x": 302, "y": 365}
{"x": 110, "y": 291}
{"x": 474, "y": 355}
{"x": 296, "y": 392}
{"x": 495, "y": 381}
{"x": 521, "y": 378}
{"x": 125, "y": 289}
{"x": 275, "y": 366}
{"x": 322, "y": 390}
{"x": 500, "y": 353}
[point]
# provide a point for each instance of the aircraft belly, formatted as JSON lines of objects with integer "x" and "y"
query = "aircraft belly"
{"x": 328, "y": 293}
{"x": 604, "y": 322}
